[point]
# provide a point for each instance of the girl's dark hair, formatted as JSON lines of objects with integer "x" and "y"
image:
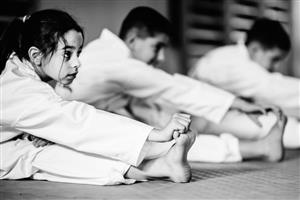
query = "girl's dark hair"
{"x": 147, "y": 20}
{"x": 43, "y": 29}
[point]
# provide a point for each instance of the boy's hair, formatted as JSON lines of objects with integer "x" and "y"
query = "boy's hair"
{"x": 270, "y": 34}
{"x": 43, "y": 29}
{"x": 148, "y": 21}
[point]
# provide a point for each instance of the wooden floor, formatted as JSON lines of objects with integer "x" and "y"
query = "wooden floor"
{"x": 248, "y": 180}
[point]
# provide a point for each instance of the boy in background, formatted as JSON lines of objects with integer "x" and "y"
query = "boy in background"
{"x": 247, "y": 70}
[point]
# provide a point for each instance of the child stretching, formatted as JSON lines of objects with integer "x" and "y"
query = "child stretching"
{"x": 247, "y": 69}
{"x": 91, "y": 146}
{"x": 116, "y": 70}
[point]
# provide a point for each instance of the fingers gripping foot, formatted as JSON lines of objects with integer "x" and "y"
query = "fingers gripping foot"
{"x": 179, "y": 124}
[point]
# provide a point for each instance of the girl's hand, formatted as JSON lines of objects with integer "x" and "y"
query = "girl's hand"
{"x": 36, "y": 141}
{"x": 39, "y": 142}
{"x": 179, "y": 124}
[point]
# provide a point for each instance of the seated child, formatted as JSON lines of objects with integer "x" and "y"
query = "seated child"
{"x": 91, "y": 146}
{"x": 247, "y": 70}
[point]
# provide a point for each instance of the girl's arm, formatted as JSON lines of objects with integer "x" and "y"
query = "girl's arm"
{"x": 35, "y": 108}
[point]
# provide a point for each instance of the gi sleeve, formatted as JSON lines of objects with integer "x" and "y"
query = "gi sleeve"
{"x": 273, "y": 88}
{"x": 36, "y": 109}
{"x": 248, "y": 79}
{"x": 174, "y": 91}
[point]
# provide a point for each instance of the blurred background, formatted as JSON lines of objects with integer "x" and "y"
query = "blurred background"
{"x": 201, "y": 25}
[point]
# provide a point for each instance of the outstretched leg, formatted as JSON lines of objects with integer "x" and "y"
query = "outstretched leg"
{"x": 269, "y": 148}
{"x": 228, "y": 148}
{"x": 236, "y": 123}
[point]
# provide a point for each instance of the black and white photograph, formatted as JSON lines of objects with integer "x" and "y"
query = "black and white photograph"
{"x": 149, "y": 99}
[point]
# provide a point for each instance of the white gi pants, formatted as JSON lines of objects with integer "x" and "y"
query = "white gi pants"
{"x": 291, "y": 137}
{"x": 20, "y": 159}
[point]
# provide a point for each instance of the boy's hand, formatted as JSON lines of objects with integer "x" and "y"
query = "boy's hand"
{"x": 36, "y": 141}
{"x": 179, "y": 124}
{"x": 268, "y": 108}
{"x": 247, "y": 107}
{"x": 254, "y": 117}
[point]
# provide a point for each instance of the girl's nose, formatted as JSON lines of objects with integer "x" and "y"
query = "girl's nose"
{"x": 76, "y": 63}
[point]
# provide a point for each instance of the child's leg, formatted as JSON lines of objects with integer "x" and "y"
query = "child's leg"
{"x": 236, "y": 123}
{"x": 16, "y": 159}
{"x": 269, "y": 148}
{"x": 157, "y": 149}
{"x": 173, "y": 165}
{"x": 60, "y": 164}
{"x": 227, "y": 148}
{"x": 291, "y": 136}
{"x": 215, "y": 149}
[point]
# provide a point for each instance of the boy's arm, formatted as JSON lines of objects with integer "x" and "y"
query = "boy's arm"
{"x": 282, "y": 91}
{"x": 272, "y": 88}
{"x": 175, "y": 91}
{"x": 248, "y": 79}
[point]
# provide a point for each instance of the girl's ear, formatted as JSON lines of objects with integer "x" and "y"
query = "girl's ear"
{"x": 35, "y": 56}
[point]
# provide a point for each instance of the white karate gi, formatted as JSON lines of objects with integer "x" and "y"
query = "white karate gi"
{"x": 92, "y": 146}
{"x": 109, "y": 78}
{"x": 231, "y": 68}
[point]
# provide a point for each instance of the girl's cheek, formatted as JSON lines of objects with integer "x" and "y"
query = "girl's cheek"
{"x": 64, "y": 74}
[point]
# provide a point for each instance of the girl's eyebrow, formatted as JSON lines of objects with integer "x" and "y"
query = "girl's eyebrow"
{"x": 69, "y": 47}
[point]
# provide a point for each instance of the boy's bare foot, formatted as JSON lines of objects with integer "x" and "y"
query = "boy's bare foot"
{"x": 273, "y": 142}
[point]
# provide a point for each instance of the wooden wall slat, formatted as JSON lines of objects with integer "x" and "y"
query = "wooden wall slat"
{"x": 214, "y": 23}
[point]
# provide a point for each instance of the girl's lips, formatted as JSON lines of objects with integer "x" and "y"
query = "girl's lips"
{"x": 72, "y": 76}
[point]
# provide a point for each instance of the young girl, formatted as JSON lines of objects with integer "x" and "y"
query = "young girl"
{"x": 91, "y": 146}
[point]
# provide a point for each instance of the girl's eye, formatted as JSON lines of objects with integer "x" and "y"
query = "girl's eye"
{"x": 67, "y": 55}
{"x": 78, "y": 53}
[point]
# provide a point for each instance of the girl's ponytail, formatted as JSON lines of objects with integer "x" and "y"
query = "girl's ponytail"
{"x": 42, "y": 29}
{"x": 10, "y": 41}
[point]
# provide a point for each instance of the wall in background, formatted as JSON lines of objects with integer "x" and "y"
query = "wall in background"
{"x": 9, "y": 9}
{"x": 206, "y": 27}
{"x": 296, "y": 38}
{"x": 94, "y": 15}
{"x": 211, "y": 24}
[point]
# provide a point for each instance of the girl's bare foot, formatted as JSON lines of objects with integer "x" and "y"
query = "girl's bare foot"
{"x": 176, "y": 158}
{"x": 173, "y": 165}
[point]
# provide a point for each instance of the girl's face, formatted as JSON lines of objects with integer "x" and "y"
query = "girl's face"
{"x": 62, "y": 66}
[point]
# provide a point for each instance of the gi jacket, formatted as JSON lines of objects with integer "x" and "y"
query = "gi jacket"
{"x": 32, "y": 106}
